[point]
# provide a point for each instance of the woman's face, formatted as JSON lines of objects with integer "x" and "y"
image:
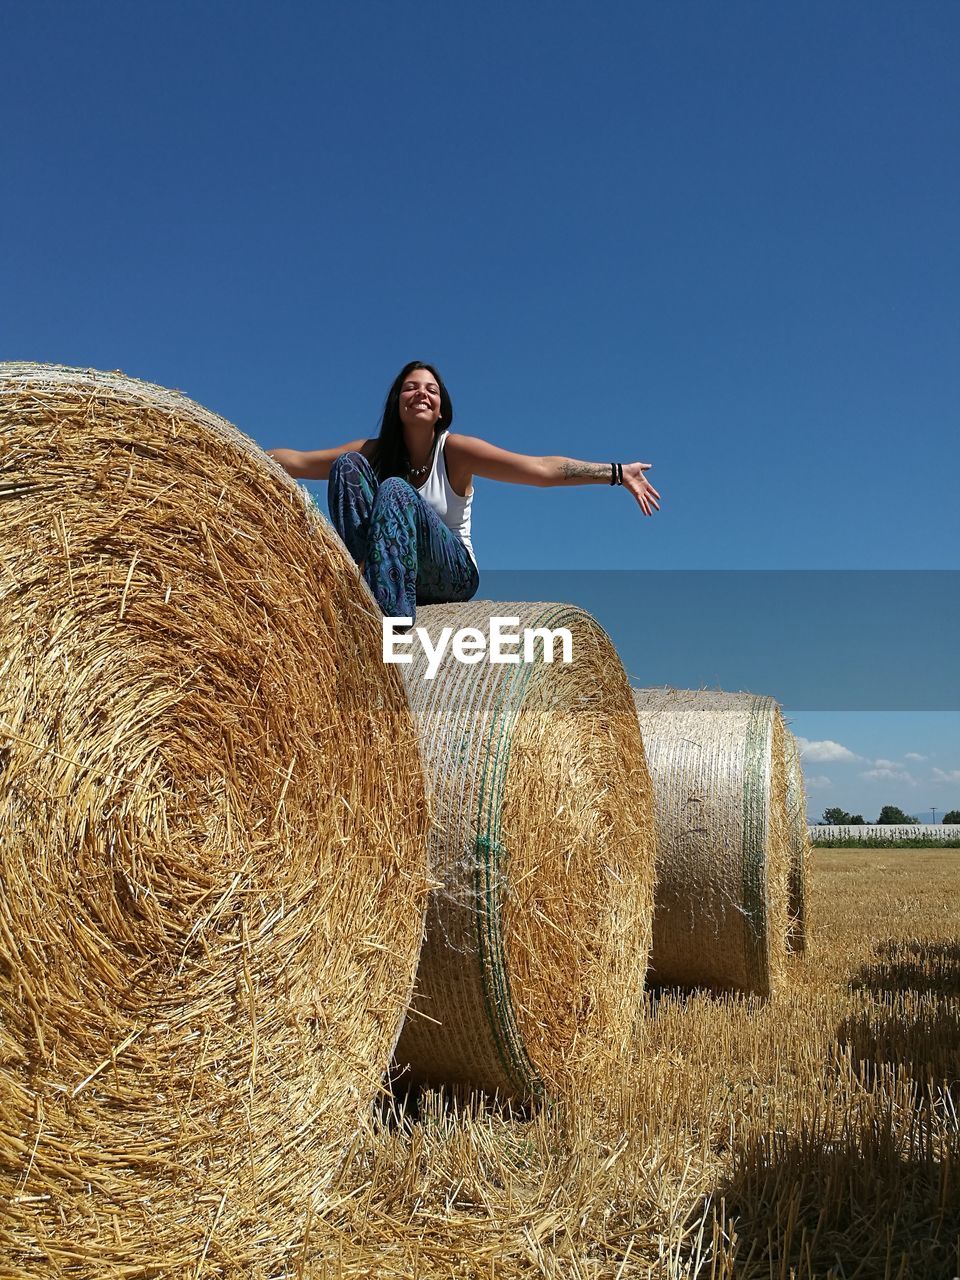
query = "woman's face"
{"x": 419, "y": 399}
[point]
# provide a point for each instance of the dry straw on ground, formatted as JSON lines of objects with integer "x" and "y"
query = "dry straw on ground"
{"x": 800, "y": 849}
{"x": 212, "y": 840}
{"x": 717, "y": 764}
{"x": 811, "y": 1136}
{"x": 533, "y": 967}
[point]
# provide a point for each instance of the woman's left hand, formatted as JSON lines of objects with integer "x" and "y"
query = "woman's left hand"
{"x": 641, "y": 488}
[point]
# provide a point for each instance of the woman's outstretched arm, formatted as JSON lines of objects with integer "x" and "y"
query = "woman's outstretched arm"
{"x": 472, "y": 456}
{"x": 315, "y": 464}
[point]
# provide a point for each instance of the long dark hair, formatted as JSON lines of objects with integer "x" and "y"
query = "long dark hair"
{"x": 390, "y": 457}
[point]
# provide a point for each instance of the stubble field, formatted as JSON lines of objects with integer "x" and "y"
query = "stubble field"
{"x": 815, "y": 1135}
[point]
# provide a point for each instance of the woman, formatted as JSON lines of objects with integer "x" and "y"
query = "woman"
{"x": 402, "y": 502}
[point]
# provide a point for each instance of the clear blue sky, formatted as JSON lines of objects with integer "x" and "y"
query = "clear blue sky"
{"x": 718, "y": 237}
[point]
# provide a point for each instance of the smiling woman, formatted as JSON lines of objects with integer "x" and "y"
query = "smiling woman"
{"x": 402, "y": 502}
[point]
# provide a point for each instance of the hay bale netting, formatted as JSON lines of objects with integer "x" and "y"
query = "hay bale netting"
{"x": 717, "y": 764}
{"x": 800, "y": 847}
{"x": 534, "y": 961}
{"x": 212, "y": 839}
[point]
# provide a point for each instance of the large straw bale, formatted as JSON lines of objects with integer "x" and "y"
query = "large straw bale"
{"x": 800, "y": 847}
{"x": 717, "y": 764}
{"x": 534, "y": 961}
{"x": 213, "y": 832}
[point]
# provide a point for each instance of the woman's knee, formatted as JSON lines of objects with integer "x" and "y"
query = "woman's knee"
{"x": 394, "y": 492}
{"x": 348, "y": 465}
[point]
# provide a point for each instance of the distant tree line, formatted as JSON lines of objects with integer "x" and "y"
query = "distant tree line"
{"x": 890, "y": 815}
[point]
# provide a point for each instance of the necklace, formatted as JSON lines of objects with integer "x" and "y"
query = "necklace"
{"x": 416, "y": 472}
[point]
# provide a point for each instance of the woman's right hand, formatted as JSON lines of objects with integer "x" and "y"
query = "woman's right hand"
{"x": 290, "y": 459}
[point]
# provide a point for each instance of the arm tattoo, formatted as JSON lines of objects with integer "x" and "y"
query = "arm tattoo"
{"x": 570, "y": 469}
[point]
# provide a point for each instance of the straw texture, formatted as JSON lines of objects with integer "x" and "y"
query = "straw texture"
{"x": 537, "y": 940}
{"x": 717, "y": 764}
{"x": 212, "y": 840}
{"x": 800, "y": 848}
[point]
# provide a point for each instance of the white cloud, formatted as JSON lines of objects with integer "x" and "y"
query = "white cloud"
{"x": 824, "y": 751}
{"x": 819, "y": 782}
{"x": 914, "y": 755}
{"x": 885, "y": 764}
{"x": 889, "y": 775}
{"x": 943, "y": 775}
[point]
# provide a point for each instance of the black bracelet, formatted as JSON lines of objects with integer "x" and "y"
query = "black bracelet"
{"x": 616, "y": 473}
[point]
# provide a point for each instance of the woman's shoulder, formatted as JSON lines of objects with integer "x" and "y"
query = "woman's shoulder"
{"x": 461, "y": 445}
{"x": 460, "y": 450}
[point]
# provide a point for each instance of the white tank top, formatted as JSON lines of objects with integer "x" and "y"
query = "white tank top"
{"x": 438, "y": 493}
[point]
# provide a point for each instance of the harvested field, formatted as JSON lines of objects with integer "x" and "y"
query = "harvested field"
{"x": 813, "y": 1134}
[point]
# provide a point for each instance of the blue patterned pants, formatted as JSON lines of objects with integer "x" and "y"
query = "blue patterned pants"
{"x": 411, "y": 556}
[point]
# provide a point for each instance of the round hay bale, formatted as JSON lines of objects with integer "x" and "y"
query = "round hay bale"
{"x": 717, "y": 764}
{"x": 800, "y": 847}
{"x": 536, "y": 948}
{"x": 213, "y": 833}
